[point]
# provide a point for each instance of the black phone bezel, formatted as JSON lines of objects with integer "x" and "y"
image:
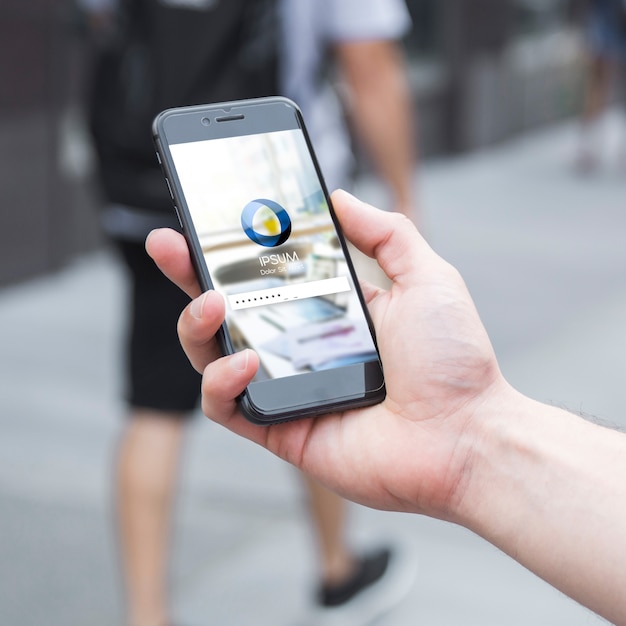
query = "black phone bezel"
{"x": 279, "y": 399}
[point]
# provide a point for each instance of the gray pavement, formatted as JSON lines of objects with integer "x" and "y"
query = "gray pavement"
{"x": 543, "y": 254}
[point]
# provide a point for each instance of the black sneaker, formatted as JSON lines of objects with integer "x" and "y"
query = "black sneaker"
{"x": 382, "y": 579}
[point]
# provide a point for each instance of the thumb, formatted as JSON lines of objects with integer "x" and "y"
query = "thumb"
{"x": 390, "y": 238}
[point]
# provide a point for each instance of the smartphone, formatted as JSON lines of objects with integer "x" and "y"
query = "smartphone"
{"x": 261, "y": 230}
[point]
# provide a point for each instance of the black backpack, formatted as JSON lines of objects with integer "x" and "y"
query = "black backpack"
{"x": 164, "y": 53}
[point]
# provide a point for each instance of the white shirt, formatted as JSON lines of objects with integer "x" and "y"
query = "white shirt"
{"x": 309, "y": 27}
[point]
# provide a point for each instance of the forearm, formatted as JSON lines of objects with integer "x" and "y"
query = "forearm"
{"x": 548, "y": 488}
{"x": 381, "y": 112}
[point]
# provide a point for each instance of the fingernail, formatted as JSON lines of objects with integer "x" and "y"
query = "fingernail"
{"x": 348, "y": 194}
{"x": 197, "y": 307}
{"x": 239, "y": 360}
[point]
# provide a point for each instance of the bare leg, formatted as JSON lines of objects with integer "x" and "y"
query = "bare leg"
{"x": 329, "y": 513}
{"x": 597, "y": 94}
{"x": 595, "y": 104}
{"x": 147, "y": 467}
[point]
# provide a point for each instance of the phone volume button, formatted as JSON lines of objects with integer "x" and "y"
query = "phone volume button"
{"x": 178, "y": 216}
{"x": 169, "y": 188}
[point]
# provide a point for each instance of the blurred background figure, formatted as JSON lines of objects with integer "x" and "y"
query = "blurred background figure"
{"x": 605, "y": 27}
{"x": 155, "y": 54}
{"x": 497, "y": 89}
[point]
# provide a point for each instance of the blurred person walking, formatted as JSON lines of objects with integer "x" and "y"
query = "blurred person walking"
{"x": 606, "y": 41}
{"x": 157, "y": 54}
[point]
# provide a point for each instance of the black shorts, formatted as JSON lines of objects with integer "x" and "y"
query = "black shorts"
{"x": 158, "y": 374}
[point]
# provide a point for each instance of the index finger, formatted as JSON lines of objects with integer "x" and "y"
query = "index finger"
{"x": 169, "y": 251}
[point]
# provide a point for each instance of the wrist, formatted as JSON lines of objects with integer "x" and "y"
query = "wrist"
{"x": 494, "y": 434}
{"x": 521, "y": 455}
{"x": 545, "y": 486}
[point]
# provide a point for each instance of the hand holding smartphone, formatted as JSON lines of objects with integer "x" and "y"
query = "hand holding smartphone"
{"x": 261, "y": 231}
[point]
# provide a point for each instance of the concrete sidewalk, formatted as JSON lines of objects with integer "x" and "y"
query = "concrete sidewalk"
{"x": 543, "y": 254}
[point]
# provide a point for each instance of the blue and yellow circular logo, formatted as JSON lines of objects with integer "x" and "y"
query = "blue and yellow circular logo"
{"x": 266, "y": 222}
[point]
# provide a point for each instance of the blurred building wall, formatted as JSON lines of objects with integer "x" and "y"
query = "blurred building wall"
{"x": 481, "y": 70}
{"x": 45, "y": 216}
{"x": 484, "y": 70}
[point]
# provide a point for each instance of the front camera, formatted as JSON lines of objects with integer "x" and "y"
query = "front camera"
{"x": 205, "y": 121}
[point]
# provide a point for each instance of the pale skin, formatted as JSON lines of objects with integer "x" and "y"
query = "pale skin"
{"x": 453, "y": 439}
{"x": 379, "y": 104}
{"x": 146, "y": 473}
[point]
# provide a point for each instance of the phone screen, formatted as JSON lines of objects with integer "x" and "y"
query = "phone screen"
{"x": 271, "y": 248}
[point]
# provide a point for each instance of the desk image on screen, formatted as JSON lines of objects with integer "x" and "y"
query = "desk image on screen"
{"x": 306, "y": 318}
